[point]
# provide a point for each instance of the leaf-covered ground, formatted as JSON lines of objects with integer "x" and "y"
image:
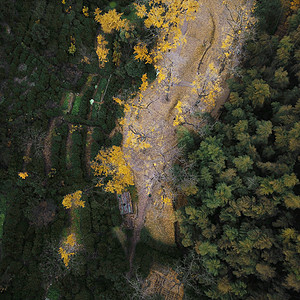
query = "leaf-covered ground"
{"x": 187, "y": 66}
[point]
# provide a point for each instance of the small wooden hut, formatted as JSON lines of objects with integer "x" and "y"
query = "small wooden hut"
{"x": 125, "y": 203}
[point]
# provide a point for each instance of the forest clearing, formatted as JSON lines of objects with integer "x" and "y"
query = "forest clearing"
{"x": 152, "y": 166}
{"x": 149, "y": 149}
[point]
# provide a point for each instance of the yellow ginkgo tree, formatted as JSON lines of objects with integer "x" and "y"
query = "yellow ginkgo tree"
{"x": 111, "y": 163}
{"x": 111, "y": 20}
{"x": 167, "y": 18}
{"x": 73, "y": 200}
{"x": 102, "y": 50}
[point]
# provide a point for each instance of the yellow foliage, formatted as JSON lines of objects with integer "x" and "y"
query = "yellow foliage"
{"x": 288, "y": 234}
{"x": 85, "y": 60}
{"x": 72, "y": 49}
{"x": 179, "y": 118}
{"x": 209, "y": 83}
{"x": 166, "y": 200}
{"x": 110, "y": 20}
{"x": 141, "y": 53}
{"x": 23, "y": 175}
{"x": 85, "y": 11}
{"x": 167, "y": 16}
{"x": 154, "y": 17}
{"x": 295, "y": 5}
{"x": 101, "y": 50}
{"x": 161, "y": 74}
{"x": 135, "y": 141}
{"x": 63, "y": 1}
{"x": 71, "y": 240}
{"x": 97, "y": 14}
{"x": 144, "y": 84}
{"x": 111, "y": 162}
{"x": 118, "y": 100}
{"x": 141, "y": 10}
{"x": 73, "y": 200}
{"x": 65, "y": 256}
{"x": 68, "y": 10}
{"x": 75, "y": 128}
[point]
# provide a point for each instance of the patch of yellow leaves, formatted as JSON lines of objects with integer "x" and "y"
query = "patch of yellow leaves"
{"x": 85, "y": 60}
{"x": 295, "y": 5}
{"x": 141, "y": 10}
{"x": 73, "y": 200}
{"x": 97, "y": 14}
{"x": 111, "y": 162}
{"x": 71, "y": 240}
{"x": 101, "y": 50}
{"x": 23, "y": 175}
{"x": 134, "y": 141}
{"x": 85, "y": 11}
{"x": 141, "y": 53}
{"x": 179, "y": 118}
{"x": 144, "y": 84}
{"x": 110, "y": 21}
{"x": 65, "y": 255}
{"x": 118, "y": 100}
{"x": 167, "y": 16}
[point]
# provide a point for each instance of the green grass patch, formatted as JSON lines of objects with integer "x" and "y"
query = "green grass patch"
{"x": 76, "y": 106}
{"x": 68, "y": 159}
{"x": 98, "y": 95}
{"x": 66, "y": 102}
{"x": 101, "y": 89}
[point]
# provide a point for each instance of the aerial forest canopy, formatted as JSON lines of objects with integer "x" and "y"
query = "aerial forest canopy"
{"x": 241, "y": 219}
{"x": 74, "y": 76}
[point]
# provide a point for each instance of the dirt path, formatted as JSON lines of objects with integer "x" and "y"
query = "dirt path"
{"x": 89, "y": 135}
{"x": 151, "y": 167}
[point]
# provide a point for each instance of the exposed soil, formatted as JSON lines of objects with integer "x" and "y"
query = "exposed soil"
{"x": 151, "y": 166}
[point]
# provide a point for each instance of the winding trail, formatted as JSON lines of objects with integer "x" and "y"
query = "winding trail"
{"x": 151, "y": 167}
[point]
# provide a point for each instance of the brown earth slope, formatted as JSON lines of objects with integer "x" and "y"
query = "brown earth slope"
{"x": 151, "y": 166}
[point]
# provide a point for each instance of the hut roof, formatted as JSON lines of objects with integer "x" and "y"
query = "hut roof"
{"x": 125, "y": 204}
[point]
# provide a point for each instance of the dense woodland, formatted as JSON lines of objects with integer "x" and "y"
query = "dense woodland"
{"x": 238, "y": 234}
{"x": 243, "y": 219}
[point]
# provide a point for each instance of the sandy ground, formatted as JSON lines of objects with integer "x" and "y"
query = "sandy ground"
{"x": 151, "y": 166}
